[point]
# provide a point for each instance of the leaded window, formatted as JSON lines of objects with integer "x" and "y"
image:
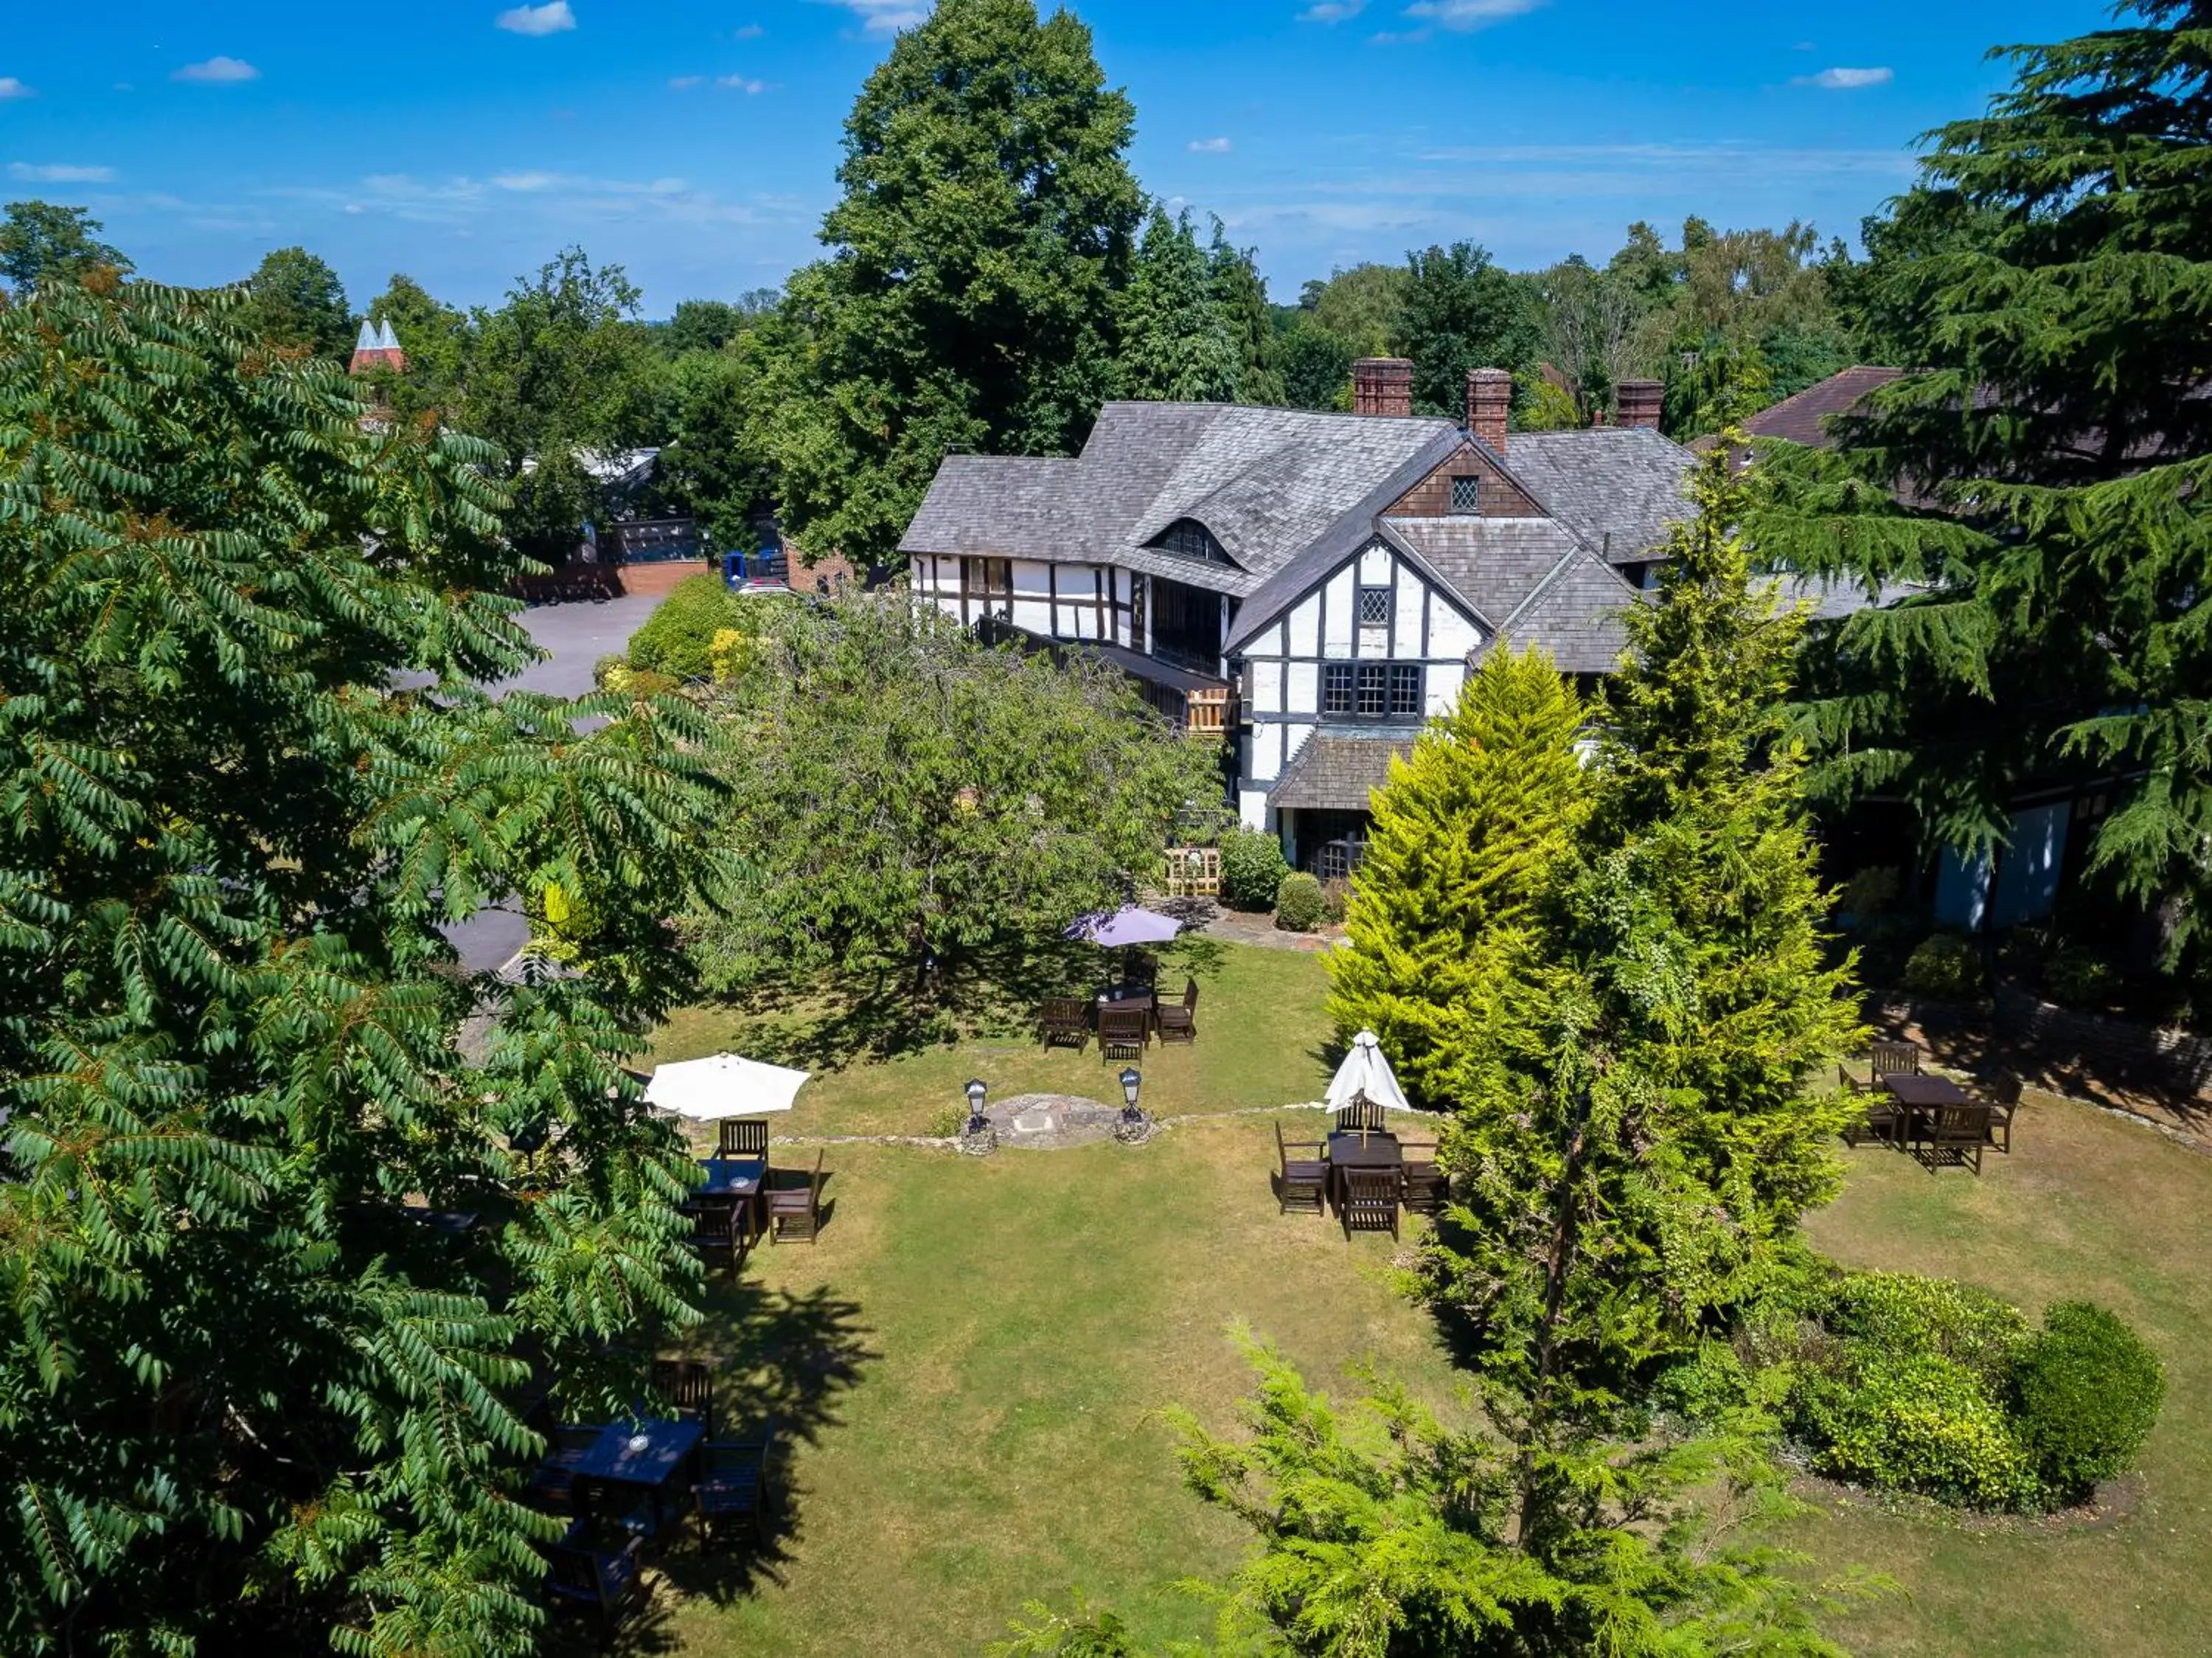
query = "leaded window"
{"x": 1466, "y": 495}
{"x": 1336, "y": 688}
{"x": 1188, "y": 539}
{"x": 1373, "y": 607}
{"x": 1370, "y": 701}
{"x": 1405, "y": 688}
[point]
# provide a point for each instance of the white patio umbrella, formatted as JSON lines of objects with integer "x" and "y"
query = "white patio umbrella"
{"x": 1365, "y": 1075}
{"x": 724, "y": 1086}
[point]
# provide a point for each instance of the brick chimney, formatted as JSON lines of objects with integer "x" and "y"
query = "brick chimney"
{"x": 1638, "y": 402}
{"x": 1382, "y": 386}
{"x": 1489, "y": 400}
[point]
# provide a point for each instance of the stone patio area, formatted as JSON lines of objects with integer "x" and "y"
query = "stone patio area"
{"x": 1051, "y": 1122}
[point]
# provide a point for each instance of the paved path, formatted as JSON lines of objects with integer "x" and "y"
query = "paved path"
{"x": 577, "y": 635}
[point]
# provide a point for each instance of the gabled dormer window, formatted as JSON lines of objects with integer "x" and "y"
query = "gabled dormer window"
{"x": 1188, "y": 539}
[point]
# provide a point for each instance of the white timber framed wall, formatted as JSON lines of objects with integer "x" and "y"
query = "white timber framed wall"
{"x": 1051, "y": 599}
{"x": 1345, "y": 620}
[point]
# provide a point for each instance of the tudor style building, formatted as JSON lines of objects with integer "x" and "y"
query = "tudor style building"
{"x": 1315, "y": 585}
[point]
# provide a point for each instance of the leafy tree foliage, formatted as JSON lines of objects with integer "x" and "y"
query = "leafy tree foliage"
{"x": 40, "y": 242}
{"x": 1466, "y": 839}
{"x": 244, "y": 1401}
{"x": 1315, "y": 366}
{"x": 1633, "y": 1138}
{"x": 2050, "y": 273}
{"x": 914, "y": 801}
{"x": 295, "y": 300}
{"x": 1176, "y": 344}
{"x": 716, "y": 461}
{"x": 1383, "y": 1533}
{"x": 438, "y": 339}
{"x": 1359, "y": 306}
{"x": 988, "y": 220}
{"x": 1239, "y": 294}
{"x": 1461, "y": 311}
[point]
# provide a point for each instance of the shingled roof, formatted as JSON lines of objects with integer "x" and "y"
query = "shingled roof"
{"x": 1531, "y": 581}
{"x": 1269, "y": 484}
{"x": 1336, "y": 771}
{"x": 1620, "y": 488}
{"x": 1803, "y": 418}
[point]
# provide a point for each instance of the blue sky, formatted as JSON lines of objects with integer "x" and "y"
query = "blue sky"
{"x": 464, "y": 141}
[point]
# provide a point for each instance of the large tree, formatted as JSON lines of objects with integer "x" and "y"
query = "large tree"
{"x": 1467, "y": 834}
{"x": 247, "y": 1402}
{"x": 1461, "y": 310}
{"x": 2051, "y": 276}
{"x": 913, "y": 803}
{"x": 988, "y": 220}
{"x": 40, "y": 242}
{"x": 1177, "y": 344}
{"x": 295, "y": 300}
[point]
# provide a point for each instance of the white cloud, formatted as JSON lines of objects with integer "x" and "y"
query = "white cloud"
{"x": 60, "y": 173}
{"x": 1847, "y": 80}
{"x": 744, "y": 83}
{"x": 884, "y": 16}
{"x": 685, "y": 82}
{"x": 1464, "y": 15}
{"x": 526, "y": 180}
{"x": 750, "y": 32}
{"x": 12, "y": 87}
{"x": 1399, "y": 38}
{"x": 1209, "y": 146}
{"x": 1332, "y": 11}
{"x": 550, "y": 18}
{"x": 218, "y": 71}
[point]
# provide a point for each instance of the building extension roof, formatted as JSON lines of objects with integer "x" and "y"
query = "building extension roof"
{"x": 1620, "y": 488}
{"x": 1267, "y": 483}
{"x": 1803, "y": 418}
{"x": 1336, "y": 771}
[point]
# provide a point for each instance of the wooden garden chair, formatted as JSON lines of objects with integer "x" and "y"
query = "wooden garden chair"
{"x": 1955, "y": 1134}
{"x": 1178, "y": 1021}
{"x": 1425, "y": 1187}
{"x": 796, "y": 1212}
{"x": 732, "y": 1485}
{"x": 1362, "y": 1115}
{"x": 1301, "y": 1180}
{"x": 1124, "y": 1031}
{"x": 607, "y": 1585}
{"x": 744, "y": 1137}
{"x": 1369, "y": 1200}
{"x": 1064, "y": 1021}
{"x": 719, "y": 1233}
{"x": 553, "y": 1485}
{"x": 689, "y": 1387}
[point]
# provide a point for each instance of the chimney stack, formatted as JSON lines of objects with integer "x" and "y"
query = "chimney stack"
{"x": 1489, "y": 400}
{"x": 1638, "y": 402}
{"x": 1382, "y": 386}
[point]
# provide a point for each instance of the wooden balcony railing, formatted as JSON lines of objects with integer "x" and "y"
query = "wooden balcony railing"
{"x": 1210, "y": 713}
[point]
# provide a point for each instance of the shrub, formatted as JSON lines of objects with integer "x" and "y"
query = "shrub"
{"x": 1252, "y": 868}
{"x": 1299, "y": 905}
{"x": 1903, "y": 1312}
{"x": 2086, "y": 1392}
{"x": 678, "y": 638}
{"x": 2081, "y": 976}
{"x": 1945, "y": 967}
{"x": 1917, "y": 1422}
{"x": 1870, "y": 891}
{"x": 613, "y": 666}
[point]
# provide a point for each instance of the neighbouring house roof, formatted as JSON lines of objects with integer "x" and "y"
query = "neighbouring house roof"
{"x": 1620, "y": 488}
{"x": 1802, "y": 417}
{"x": 1335, "y": 771}
{"x": 1531, "y": 581}
{"x": 1266, "y": 482}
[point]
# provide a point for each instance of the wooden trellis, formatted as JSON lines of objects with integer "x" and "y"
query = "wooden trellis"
{"x": 1193, "y": 872}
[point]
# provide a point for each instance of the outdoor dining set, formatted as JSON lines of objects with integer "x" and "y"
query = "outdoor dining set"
{"x": 1127, "y": 1018}
{"x": 1932, "y": 1117}
{"x": 1362, "y": 1170}
{"x": 627, "y": 1485}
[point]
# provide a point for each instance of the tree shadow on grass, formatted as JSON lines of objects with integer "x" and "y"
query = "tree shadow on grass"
{"x": 826, "y": 1024}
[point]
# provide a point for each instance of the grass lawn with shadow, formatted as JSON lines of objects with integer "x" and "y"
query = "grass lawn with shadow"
{"x": 1259, "y": 1033}
{"x": 2088, "y": 1207}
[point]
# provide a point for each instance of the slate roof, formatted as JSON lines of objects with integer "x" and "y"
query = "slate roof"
{"x": 1804, "y": 417}
{"x": 1269, "y": 483}
{"x": 1531, "y": 581}
{"x": 1336, "y": 771}
{"x": 1620, "y": 488}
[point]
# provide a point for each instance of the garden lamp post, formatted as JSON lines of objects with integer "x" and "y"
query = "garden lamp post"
{"x": 975, "y": 1091}
{"x": 1130, "y": 1080}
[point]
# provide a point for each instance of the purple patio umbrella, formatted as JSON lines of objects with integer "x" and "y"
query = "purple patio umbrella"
{"x": 1124, "y": 926}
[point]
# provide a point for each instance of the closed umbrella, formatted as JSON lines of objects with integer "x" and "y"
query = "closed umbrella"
{"x": 724, "y": 1086}
{"x": 1366, "y": 1075}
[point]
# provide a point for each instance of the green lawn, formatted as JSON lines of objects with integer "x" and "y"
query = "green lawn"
{"x": 973, "y": 1355}
{"x": 1259, "y": 1033}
